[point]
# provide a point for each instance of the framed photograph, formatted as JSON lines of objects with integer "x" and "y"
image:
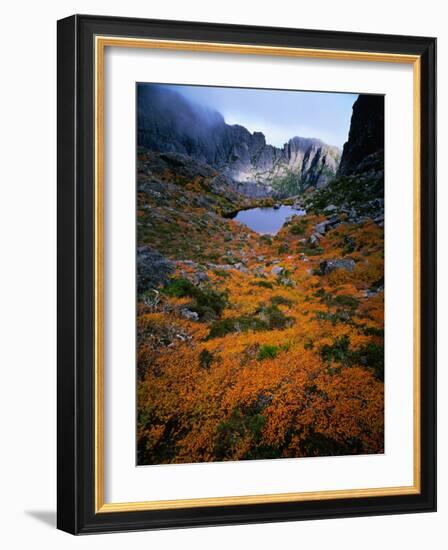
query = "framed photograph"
{"x": 246, "y": 271}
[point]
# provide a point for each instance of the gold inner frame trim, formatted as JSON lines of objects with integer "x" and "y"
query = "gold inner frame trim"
{"x": 101, "y": 42}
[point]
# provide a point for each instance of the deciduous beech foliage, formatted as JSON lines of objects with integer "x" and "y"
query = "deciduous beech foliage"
{"x": 254, "y": 346}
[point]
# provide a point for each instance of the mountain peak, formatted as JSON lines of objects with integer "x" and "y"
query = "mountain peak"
{"x": 306, "y": 141}
{"x": 168, "y": 122}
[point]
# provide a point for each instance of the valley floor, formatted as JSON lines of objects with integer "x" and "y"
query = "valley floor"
{"x": 253, "y": 346}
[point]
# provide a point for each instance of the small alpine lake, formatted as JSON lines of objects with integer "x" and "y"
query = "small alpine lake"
{"x": 267, "y": 220}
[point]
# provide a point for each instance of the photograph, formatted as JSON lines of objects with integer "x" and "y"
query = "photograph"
{"x": 259, "y": 274}
{"x": 246, "y": 273}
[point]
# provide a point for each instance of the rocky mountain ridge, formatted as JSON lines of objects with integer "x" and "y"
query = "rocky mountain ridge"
{"x": 357, "y": 191}
{"x": 168, "y": 122}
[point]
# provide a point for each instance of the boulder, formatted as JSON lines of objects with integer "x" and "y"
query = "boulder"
{"x": 321, "y": 228}
{"x": 277, "y": 270}
{"x": 153, "y": 269}
{"x": 200, "y": 277}
{"x": 241, "y": 267}
{"x": 333, "y": 220}
{"x": 221, "y": 267}
{"x": 374, "y": 290}
{"x": 315, "y": 238}
{"x": 189, "y": 262}
{"x": 328, "y": 266}
{"x": 190, "y": 315}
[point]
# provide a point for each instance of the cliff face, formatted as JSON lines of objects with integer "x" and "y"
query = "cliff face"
{"x": 358, "y": 188}
{"x": 366, "y": 134}
{"x": 167, "y": 122}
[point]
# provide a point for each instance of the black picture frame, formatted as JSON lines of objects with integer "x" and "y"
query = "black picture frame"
{"x": 76, "y": 256}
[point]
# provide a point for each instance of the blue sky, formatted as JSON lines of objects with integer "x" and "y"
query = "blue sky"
{"x": 280, "y": 115}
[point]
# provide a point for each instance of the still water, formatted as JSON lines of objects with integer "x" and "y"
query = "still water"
{"x": 267, "y": 220}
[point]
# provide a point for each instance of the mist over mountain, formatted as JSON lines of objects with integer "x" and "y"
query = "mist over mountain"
{"x": 168, "y": 122}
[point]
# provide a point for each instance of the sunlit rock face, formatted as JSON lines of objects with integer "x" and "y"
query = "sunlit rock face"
{"x": 168, "y": 122}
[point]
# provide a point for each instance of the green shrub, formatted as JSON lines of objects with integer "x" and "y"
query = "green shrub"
{"x": 310, "y": 251}
{"x": 179, "y": 288}
{"x": 222, "y": 327}
{"x": 207, "y": 303}
{"x": 338, "y": 351}
{"x": 281, "y": 301}
{"x": 349, "y": 245}
{"x": 265, "y": 318}
{"x": 267, "y": 352}
{"x": 317, "y": 444}
{"x": 341, "y": 307}
{"x": 274, "y": 317}
{"x": 262, "y": 283}
{"x": 231, "y": 431}
{"x": 298, "y": 228}
{"x": 370, "y": 355}
{"x": 339, "y": 316}
{"x": 287, "y": 185}
{"x": 373, "y": 331}
{"x": 345, "y": 301}
{"x": 267, "y": 239}
{"x": 221, "y": 273}
{"x": 214, "y": 257}
{"x": 205, "y": 359}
